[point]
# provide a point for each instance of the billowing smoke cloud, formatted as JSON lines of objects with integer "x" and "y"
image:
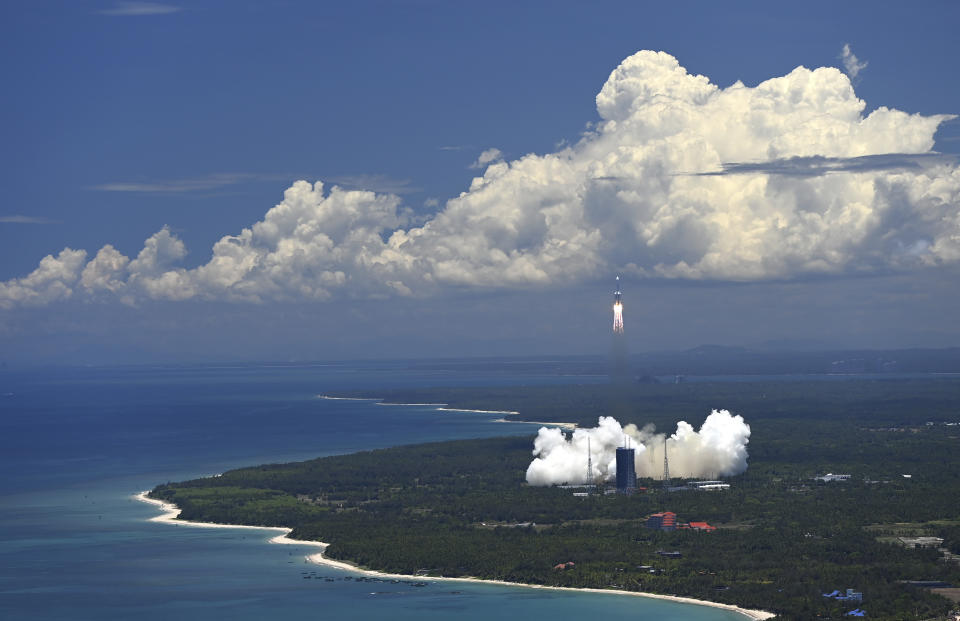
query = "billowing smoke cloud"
{"x": 631, "y": 197}
{"x": 719, "y": 448}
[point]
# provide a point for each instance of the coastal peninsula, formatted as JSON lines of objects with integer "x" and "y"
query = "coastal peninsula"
{"x": 783, "y": 538}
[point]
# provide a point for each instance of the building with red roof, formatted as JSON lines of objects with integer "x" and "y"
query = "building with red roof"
{"x": 702, "y": 526}
{"x": 666, "y": 520}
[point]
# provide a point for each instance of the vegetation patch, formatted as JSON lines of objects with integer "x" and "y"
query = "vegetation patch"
{"x": 784, "y": 539}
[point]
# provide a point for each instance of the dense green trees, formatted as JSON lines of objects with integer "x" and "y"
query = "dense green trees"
{"x": 462, "y": 508}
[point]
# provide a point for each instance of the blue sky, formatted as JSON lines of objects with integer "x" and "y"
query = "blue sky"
{"x": 124, "y": 118}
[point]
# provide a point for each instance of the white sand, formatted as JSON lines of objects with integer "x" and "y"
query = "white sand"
{"x": 539, "y": 422}
{"x": 443, "y": 408}
{"x": 170, "y": 513}
{"x": 320, "y": 559}
{"x": 446, "y": 409}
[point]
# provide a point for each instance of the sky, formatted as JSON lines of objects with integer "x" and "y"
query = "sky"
{"x": 305, "y": 181}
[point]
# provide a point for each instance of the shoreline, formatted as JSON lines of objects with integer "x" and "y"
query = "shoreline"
{"x": 171, "y": 511}
{"x": 567, "y": 426}
{"x": 444, "y": 407}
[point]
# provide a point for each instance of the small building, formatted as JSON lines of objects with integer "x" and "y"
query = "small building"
{"x": 669, "y": 554}
{"x": 921, "y": 542}
{"x": 701, "y": 526}
{"x": 849, "y": 596}
{"x": 829, "y": 477}
{"x": 708, "y": 486}
{"x": 666, "y": 520}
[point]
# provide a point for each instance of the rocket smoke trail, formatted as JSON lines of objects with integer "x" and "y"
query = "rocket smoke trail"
{"x": 718, "y": 448}
{"x": 617, "y": 310}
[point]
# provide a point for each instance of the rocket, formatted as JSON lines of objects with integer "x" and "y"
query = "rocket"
{"x": 617, "y": 310}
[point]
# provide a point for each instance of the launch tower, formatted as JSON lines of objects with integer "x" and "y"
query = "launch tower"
{"x": 589, "y": 463}
{"x": 666, "y": 464}
{"x": 626, "y": 471}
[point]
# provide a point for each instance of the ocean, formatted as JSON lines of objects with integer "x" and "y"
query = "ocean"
{"x": 76, "y": 444}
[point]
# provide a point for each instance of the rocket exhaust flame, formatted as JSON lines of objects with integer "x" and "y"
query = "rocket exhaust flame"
{"x": 617, "y": 310}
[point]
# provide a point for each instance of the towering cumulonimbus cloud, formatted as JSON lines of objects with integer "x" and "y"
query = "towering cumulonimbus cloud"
{"x": 678, "y": 178}
{"x": 719, "y": 448}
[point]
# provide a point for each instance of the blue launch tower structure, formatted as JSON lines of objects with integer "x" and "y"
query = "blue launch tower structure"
{"x": 626, "y": 471}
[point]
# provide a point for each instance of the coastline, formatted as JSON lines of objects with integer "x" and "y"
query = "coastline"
{"x": 567, "y": 426}
{"x": 443, "y": 407}
{"x": 171, "y": 511}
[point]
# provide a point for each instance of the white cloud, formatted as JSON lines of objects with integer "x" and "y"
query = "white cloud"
{"x": 177, "y": 186}
{"x": 18, "y": 219}
{"x": 136, "y": 9}
{"x": 374, "y": 183}
{"x": 51, "y": 281}
{"x": 851, "y": 63}
{"x": 678, "y": 179}
{"x": 487, "y": 157}
{"x": 106, "y": 271}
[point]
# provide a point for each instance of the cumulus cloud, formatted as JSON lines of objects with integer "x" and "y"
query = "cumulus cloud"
{"x": 52, "y": 280}
{"x": 851, "y": 63}
{"x": 679, "y": 178}
{"x": 718, "y": 448}
{"x": 106, "y": 271}
{"x": 487, "y": 157}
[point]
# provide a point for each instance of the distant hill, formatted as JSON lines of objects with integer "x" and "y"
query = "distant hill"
{"x": 724, "y": 360}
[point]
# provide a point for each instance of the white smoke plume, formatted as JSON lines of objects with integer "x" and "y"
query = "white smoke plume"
{"x": 719, "y": 448}
{"x": 679, "y": 178}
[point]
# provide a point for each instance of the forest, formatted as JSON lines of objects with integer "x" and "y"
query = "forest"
{"x": 783, "y": 538}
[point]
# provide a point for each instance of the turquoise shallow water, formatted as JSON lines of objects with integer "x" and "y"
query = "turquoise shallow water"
{"x": 76, "y": 444}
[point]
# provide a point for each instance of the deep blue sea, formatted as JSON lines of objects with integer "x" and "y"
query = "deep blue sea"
{"x": 75, "y": 444}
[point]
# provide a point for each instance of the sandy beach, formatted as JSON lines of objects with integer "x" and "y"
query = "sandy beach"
{"x": 320, "y": 559}
{"x": 443, "y": 407}
{"x": 506, "y": 412}
{"x": 170, "y": 513}
{"x": 567, "y": 426}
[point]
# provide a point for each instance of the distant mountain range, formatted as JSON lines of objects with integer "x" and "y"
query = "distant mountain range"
{"x": 726, "y": 360}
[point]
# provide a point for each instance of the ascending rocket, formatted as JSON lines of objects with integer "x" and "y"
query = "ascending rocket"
{"x": 617, "y": 310}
